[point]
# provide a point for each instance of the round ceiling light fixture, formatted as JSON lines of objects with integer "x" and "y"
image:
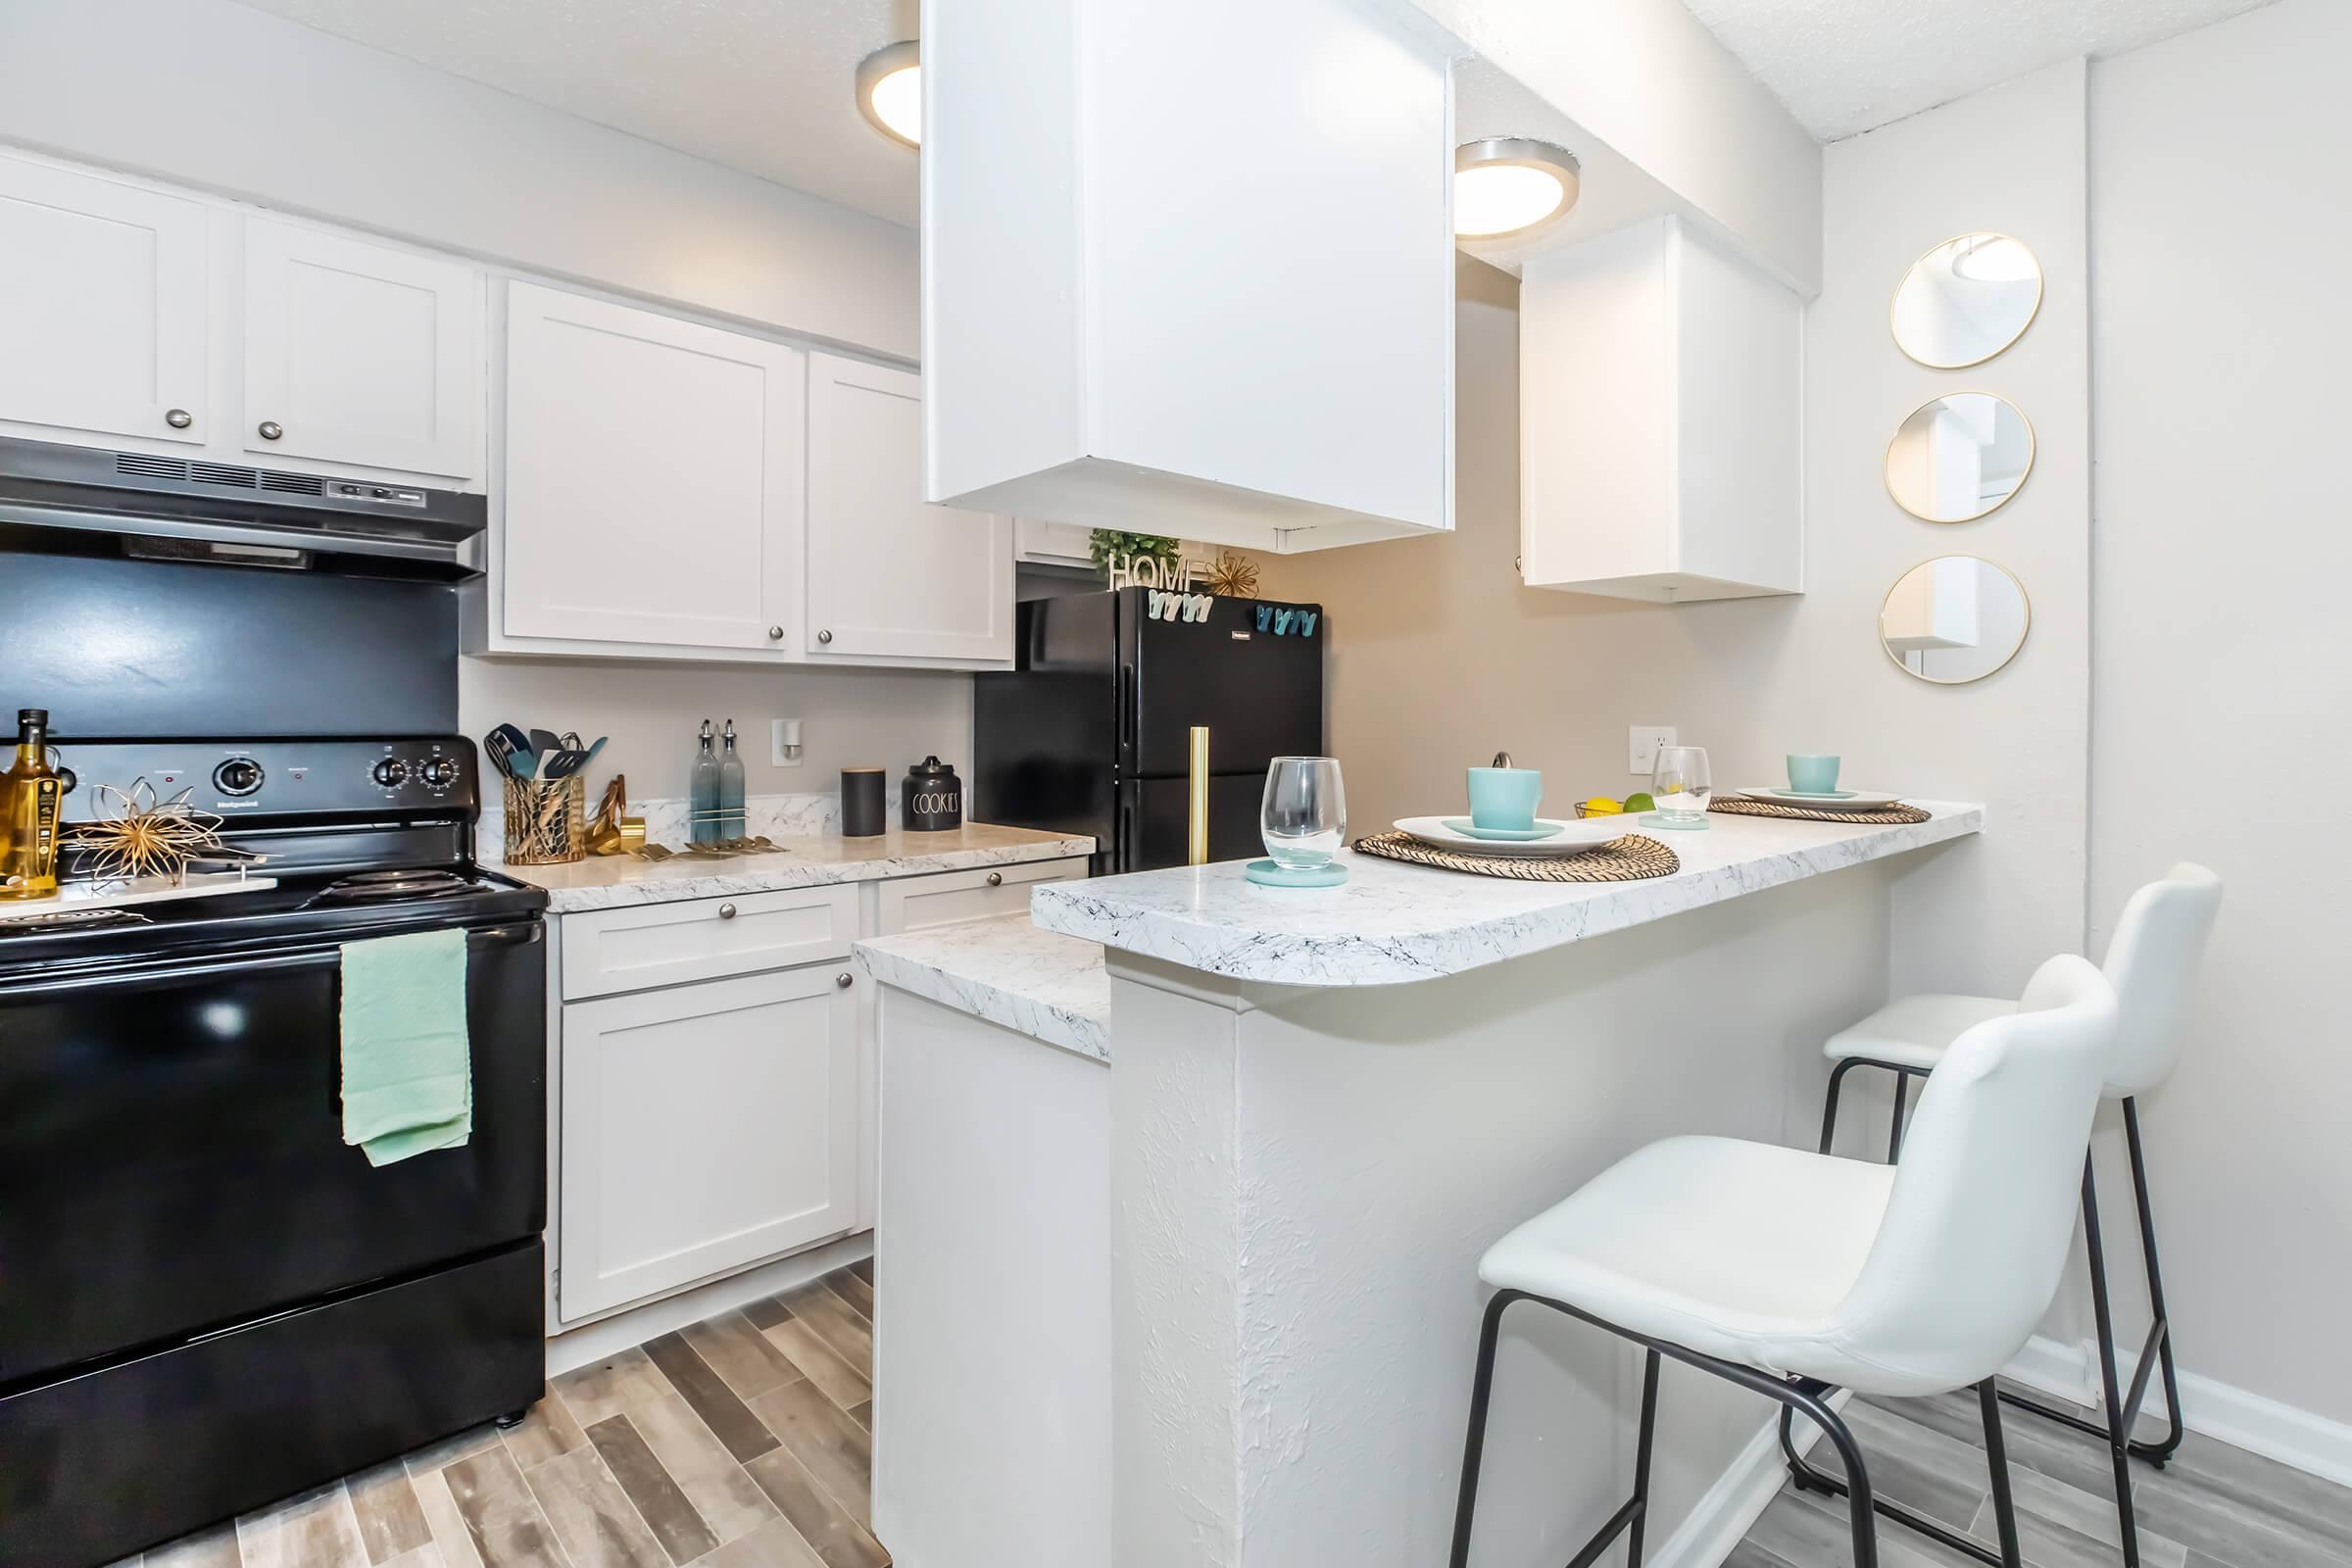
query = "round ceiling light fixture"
{"x": 1507, "y": 184}
{"x": 890, "y": 91}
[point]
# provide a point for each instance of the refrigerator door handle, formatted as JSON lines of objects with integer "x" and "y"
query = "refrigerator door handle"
{"x": 1127, "y": 706}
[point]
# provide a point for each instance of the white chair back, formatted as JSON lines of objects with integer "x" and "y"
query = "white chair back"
{"x": 1974, "y": 1235}
{"x": 2152, "y": 963}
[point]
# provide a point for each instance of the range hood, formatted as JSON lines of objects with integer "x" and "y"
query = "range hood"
{"x": 61, "y": 497}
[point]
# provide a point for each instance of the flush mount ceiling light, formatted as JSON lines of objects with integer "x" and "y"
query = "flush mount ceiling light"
{"x": 890, "y": 92}
{"x": 1505, "y": 184}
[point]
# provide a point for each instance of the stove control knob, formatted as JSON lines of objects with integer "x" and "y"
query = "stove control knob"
{"x": 239, "y": 775}
{"x": 390, "y": 773}
{"x": 440, "y": 772}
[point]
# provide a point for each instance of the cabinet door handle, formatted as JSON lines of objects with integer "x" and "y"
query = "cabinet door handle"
{"x": 776, "y": 634}
{"x": 995, "y": 879}
{"x": 179, "y": 418}
{"x": 844, "y": 979}
{"x": 727, "y": 912}
{"x": 271, "y": 429}
{"x": 824, "y": 636}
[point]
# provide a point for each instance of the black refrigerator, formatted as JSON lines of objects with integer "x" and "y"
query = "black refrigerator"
{"x": 1091, "y": 733}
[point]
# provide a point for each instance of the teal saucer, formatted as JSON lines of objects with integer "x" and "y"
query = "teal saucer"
{"x": 1265, "y": 873}
{"x": 1507, "y": 835}
{"x": 1653, "y": 820}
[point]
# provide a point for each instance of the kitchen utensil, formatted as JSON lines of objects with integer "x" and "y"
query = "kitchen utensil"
{"x": 502, "y": 744}
{"x": 1303, "y": 817}
{"x": 546, "y": 742}
{"x": 1503, "y": 835}
{"x": 1812, "y": 774}
{"x": 563, "y": 764}
{"x": 1570, "y": 838}
{"x": 1844, "y": 800}
{"x": 1504, "y": 797}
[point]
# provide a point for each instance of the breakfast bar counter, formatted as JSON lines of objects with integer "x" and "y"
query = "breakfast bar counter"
{"x": 1215, "y": 1293}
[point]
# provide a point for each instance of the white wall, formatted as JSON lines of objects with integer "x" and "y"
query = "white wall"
{"x": 249, "y": 105}
{"x": 2221, "y": 213}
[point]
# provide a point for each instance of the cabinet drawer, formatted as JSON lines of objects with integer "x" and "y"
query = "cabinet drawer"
{"x": 607, "y": 950}
{"x": 909, "y": 904}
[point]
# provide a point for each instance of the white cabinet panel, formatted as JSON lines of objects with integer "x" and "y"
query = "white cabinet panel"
{"x": 705, "y": 1128}
{"x": 646, "y": 944}
{"x": 653, "y": 478}
{"x": 909, "y": 904}
{"x": 361, "y": 353}
{"x": 890, "y": 574}
{"x": 102, "y": 306}
{"x": 1054, "y": 544}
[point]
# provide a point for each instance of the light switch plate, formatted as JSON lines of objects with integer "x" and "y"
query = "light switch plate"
{"x": 1642, "y": 743}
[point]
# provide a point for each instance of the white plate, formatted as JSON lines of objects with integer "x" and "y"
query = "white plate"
{"x": 1574, "y": 837}
{"x": 1842, "y": 801}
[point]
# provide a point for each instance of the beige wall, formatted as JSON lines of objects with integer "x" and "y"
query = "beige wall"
{"x": 2220, "y": 214}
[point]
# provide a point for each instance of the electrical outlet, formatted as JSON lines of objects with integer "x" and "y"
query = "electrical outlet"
{"x": 1642, "y": 743}
{"x": 784, "y": 742}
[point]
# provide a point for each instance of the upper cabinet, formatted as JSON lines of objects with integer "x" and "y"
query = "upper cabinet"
{"x": 102, "y": 307}
{"x": 653, "y": 478}
{"x": 889, "y": 573}
{"x": 1660, "y": 403}
{"x": 361, "y": 353}
{"x": 1241, "y": 333}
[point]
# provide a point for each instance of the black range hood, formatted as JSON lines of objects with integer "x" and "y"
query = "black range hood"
{"x": 169, "y": 508}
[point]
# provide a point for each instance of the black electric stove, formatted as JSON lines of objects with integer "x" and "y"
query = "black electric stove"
{"x": 208, "y": 1300}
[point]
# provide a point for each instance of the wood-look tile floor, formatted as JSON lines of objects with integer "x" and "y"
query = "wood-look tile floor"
{"x": 741, "y": 1442}
{"x": 2212, "y": 1506}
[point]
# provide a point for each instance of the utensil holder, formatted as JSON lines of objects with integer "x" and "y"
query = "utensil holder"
{"x": 547, "y": 820}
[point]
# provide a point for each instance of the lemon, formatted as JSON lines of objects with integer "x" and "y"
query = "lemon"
{"x": 1639, "y": 802}
{"x": 1603, "y": 806}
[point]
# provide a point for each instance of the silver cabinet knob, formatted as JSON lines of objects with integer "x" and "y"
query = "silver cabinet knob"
{"x": 844, "y": 979}
{"x": 824, "y": 636}
{"x": 995, "y": 879}
{"x": 271, "y": 429}
{"x": 776, "y": 634}
{"x": 179, "y": 418}
{"x": 727, "y": 912}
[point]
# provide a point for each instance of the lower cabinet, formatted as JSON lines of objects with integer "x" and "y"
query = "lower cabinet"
{"x": 704, "y": 1127}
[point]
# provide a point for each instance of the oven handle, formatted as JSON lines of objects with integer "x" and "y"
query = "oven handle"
{"x": 311, "y": 958}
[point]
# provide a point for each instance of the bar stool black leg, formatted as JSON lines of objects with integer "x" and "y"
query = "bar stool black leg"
{"x": 1805, "y": 1478}
{"x": 1996, "y": 1454}
{"x": 1894, "y": 1128}
{"x": 1828, "y": 1109}
{"x": 2119, "y": 1416}
{"x": 1474, "y": 1445}
{"x": 2159, "y": 1332}
{"x": 1641, "y": 1446}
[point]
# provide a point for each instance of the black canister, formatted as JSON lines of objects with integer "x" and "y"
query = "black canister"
{"x": 863, "y": 812}
{"x": 931, "y": 801}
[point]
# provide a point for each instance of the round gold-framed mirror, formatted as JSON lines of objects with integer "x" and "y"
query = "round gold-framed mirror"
{"x": 1959, "y": 457}
{"x": 1967, "y": 300}
{"x": 1954, "y": 620}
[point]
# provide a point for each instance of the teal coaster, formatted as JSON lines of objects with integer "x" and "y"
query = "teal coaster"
{"x": 1654, "y": 820}
{"x": 1265, "y": 873}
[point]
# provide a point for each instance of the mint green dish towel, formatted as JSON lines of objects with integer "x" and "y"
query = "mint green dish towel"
{"x": 408, "y": 1069}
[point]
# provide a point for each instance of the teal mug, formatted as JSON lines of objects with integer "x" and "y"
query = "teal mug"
{"x": 1812, "y": 775}
{"x": 1504, "y": 798}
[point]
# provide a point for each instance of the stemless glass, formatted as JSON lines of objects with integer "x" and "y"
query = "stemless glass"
{"x": 1304, "y": 818}
{"x": 1681, "y": 786}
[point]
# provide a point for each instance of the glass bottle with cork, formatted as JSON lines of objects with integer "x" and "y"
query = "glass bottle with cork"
{"x": 32, "y": 795}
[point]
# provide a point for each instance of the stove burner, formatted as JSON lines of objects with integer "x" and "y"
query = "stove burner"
{"x": 71, "y": 919}
{"x": 379, "y": 887}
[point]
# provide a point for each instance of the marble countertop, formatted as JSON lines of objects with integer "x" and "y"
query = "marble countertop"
{"x": 1391, "y": 922}
{"x": 608, "y": 882}
{"x": 1043, "y": 984}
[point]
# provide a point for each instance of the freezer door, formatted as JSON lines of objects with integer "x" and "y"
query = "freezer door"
{"x": 1260, "y": 694}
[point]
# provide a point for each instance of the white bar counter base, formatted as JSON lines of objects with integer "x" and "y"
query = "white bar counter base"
{"x": 1214, "y": 1302}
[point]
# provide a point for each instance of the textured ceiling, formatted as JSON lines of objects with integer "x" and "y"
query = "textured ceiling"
{"x": 765, "y": 86}
{"x": 1849, "y": 65}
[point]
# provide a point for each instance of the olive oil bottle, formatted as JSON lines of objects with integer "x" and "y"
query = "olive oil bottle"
{"x": 31, "y": 795}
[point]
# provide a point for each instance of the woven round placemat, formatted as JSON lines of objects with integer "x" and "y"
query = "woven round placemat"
{"x": 1896, "y": 815}
{"x": 1631, "y": 859}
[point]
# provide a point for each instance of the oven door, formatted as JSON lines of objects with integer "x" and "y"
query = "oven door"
{"x": 171, "y": 1154}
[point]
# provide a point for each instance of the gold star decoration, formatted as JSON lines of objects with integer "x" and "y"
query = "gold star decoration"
{"x": 146, "y": 837}
{"x": 1234, "y": 575}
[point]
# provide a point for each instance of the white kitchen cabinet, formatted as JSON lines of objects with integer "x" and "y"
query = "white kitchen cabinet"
{"x": 1660, "y": 405}
{"x": 1234, "y": 324}
{"x": 909, "y": 904}
{"x": 652, "y": 480}
{"x": 891, "y": 575}
{"x": 361, "y": 354}
{"x": 640, "y": 946}
{"x": 1052, "y": 544}
{"x": 705, "y": 1128}
{"x": 103, "y": 307}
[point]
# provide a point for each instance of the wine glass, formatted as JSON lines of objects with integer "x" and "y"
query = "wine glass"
{"x": 1305, "y": 816}
{"x": 1681, "y": 786}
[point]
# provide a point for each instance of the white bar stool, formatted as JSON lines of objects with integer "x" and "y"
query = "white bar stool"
{"x": 2152, "y": 962}
{"x": 1795, "y": 1274}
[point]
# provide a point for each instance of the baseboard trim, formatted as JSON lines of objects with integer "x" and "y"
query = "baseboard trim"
{"x": 599, "y": 1338}
{"x": 2312, "y": 1443}
{"x": 1721, "y": 1518}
